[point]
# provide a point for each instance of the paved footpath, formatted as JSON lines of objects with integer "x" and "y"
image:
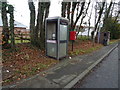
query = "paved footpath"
{"x": 105, "y": 75}
{"x": 67, "y": 73}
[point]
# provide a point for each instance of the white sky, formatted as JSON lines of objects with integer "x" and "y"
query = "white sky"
{"x": 22, "y": 13}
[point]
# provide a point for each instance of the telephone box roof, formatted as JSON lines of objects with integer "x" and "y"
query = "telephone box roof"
{"x": 57, "y": 17}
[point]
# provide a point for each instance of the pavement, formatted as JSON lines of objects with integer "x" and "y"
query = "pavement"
{"x": 67, "y": 73}
{"x": 104, "y": 75}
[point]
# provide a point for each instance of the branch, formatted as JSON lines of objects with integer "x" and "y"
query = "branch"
{"x": 82, "y": 8}
{"x": 83, "y": 17}
{"x": 73, "y": 10}
{"x": 68, "y": 10}
{"x": 101, "y": 11}
{"x": 64, "y": 4}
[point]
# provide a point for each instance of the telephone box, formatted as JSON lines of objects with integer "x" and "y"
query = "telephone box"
{"x": 56, "y": 37}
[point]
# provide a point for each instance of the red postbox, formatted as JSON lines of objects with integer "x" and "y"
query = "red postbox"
{"x": 72, "y": 35}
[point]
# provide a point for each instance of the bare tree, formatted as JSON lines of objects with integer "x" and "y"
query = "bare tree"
{"x": 118, "y": 12}
{"x": 81, "y": 12}
{"x": 32, "y": 21}
{"x": 74, "y": 4}
{"x": 5, "y": 31}
{"x": 38, "y": 30}
{"x": 89, "y": 20}
{"x": 0, "y": 6}
{"x": 70, "y": 15}
{"x": 84, "y": 15}
{"x": 11, "y": 12}
{"x": 43, "y": 11}
{"x": 117, "y": 16}
{"x": 113, "y": 5}
{"x": 99, "y": 17}
{"x": 80, "y": 7}
{"x": 68, "y": 10}
{"x": 64, "y": 8}
{"x": 107, "y": 15}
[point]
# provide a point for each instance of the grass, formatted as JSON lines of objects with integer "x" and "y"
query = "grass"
{"x": 84, "y": 51}
{"x": 113, "y": 41}
{"x": 83, "y": 38}
{"x": 31, "y": 70}
{"x": 19, "y": 37}
{"x": 26, "y": 71}
{"x": 19, "y": 41}
{"x": 8, "y": 80}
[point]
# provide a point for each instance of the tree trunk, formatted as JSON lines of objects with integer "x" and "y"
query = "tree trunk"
{"x": 68, "y": 10}
{"x": 89, "y": 21}
{"x": 5, "y": 31}
{"x": 70, "y": 15}
{"x": 11, "y": 12}
{"x": 42, "y": 33}
{"x": 106, "y": 16}
{"x": 117, "y": 16}
{"x": 43, "y": 11}
{"x": 81, "y": 11}
{"x": 64, "y": 4}
{"x": 112, "y": 9}
{"x": 96, "y": 25}
{"x": 47, "y": 10}
{"x": 74, "y": 4}
{"x": 83, "y": 15}
{"x": 0, "y": 6}
{"x": 38, "y": 31}
{"x": 32, "y": 22}
{"x": 39, "y": 23}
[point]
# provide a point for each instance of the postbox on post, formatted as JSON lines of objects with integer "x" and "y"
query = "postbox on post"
{"x": 72, "y": 35}
{"x": 56, "y": 37}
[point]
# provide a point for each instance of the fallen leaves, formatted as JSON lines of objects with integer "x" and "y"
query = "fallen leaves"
{"x": 25, "y": 62}
{"x": 83, "y": 47}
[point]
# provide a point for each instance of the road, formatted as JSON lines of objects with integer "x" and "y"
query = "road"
{"x": 105, "y": 75}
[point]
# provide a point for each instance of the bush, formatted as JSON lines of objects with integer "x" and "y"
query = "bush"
{"x": 114, "y": 28}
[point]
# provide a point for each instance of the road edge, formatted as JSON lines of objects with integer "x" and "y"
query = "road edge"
{"x": 83, "y": 74}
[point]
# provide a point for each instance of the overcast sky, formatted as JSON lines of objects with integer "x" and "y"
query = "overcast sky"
{"x": 22, "y": 13}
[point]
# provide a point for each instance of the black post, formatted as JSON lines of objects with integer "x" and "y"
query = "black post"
{"x": 72, "y": 44}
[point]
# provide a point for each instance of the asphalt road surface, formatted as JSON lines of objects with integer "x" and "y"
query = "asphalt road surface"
{"x": 105, "y": 75}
